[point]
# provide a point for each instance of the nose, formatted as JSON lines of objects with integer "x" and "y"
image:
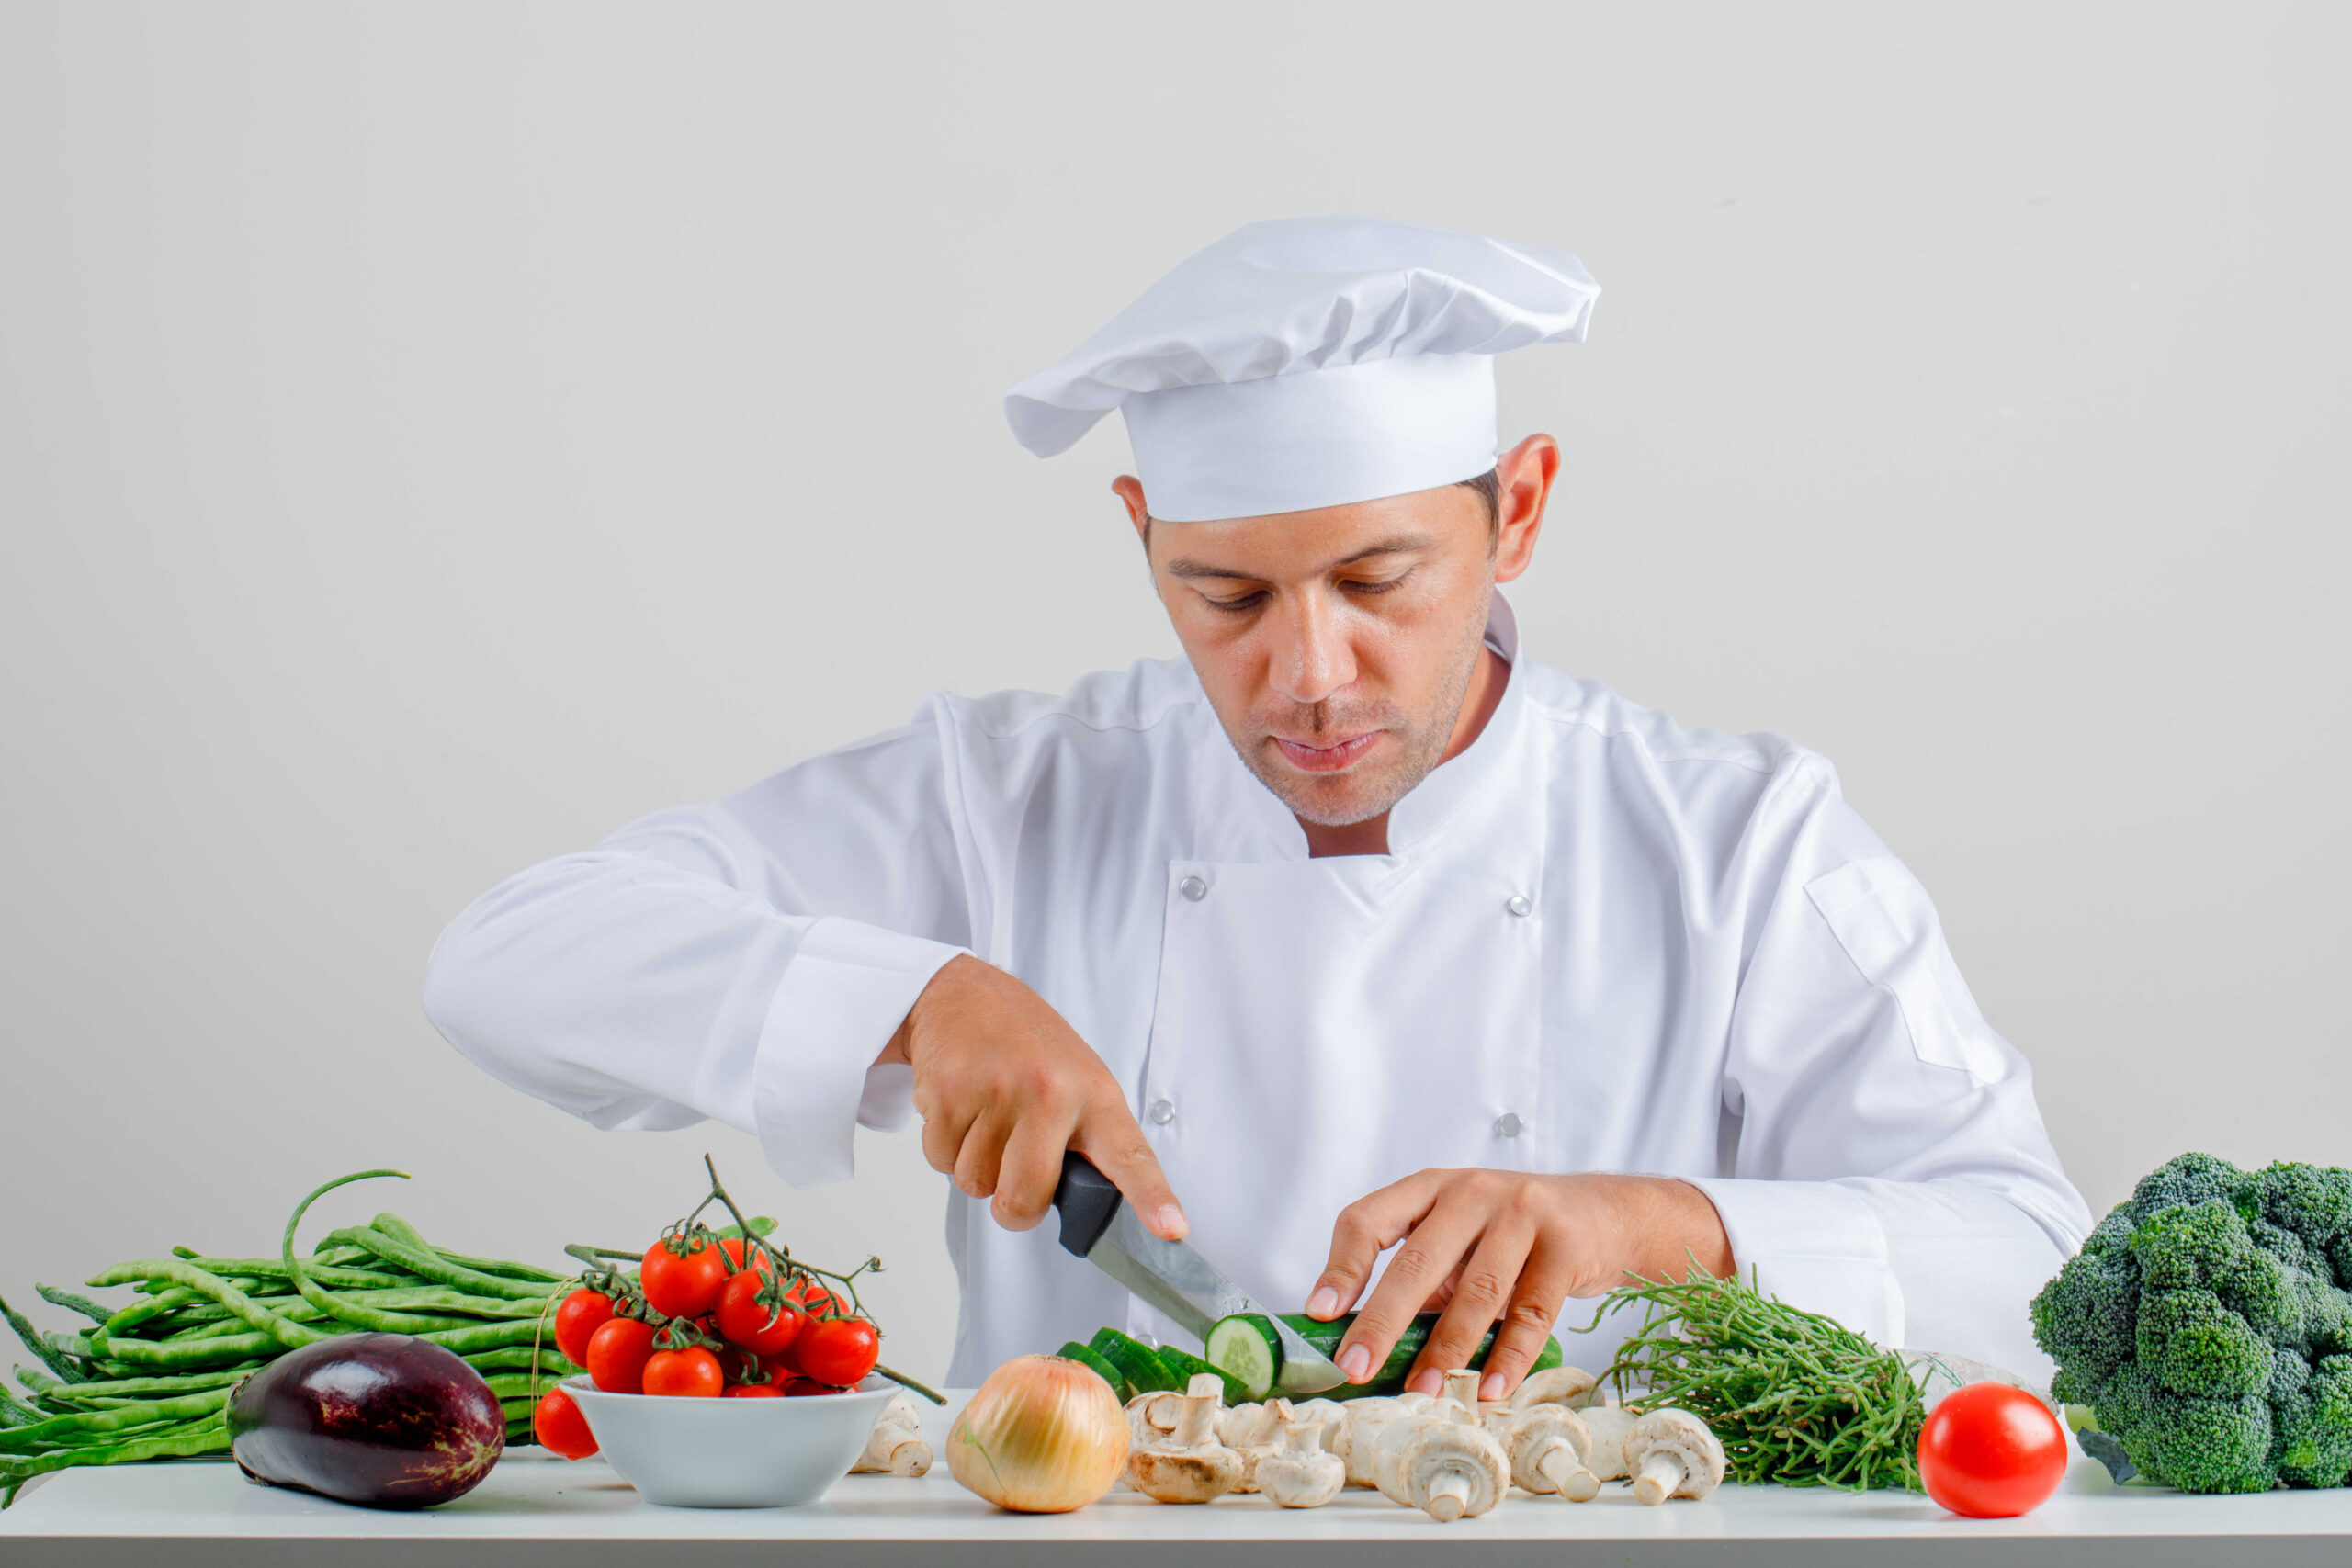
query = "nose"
{"x": 1313, "y": 660}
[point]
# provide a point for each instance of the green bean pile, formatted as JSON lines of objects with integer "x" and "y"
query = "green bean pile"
{"x": 152, "y": 1380}
{"x": 1794, "y": 1397}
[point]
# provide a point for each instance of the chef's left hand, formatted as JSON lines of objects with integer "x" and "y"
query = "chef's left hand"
{"x": 1491, "y": 1245}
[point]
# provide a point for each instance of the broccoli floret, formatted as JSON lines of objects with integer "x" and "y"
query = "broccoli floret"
{"x": 2087, "y": 1318}
{"x": 2204, "y": 1321}
{"x": 2191, "y": 1343}
{"x": 2313, "y": 1422}
{"x": 2190, "y": 1178}
{"x": 2311, "y": 1202}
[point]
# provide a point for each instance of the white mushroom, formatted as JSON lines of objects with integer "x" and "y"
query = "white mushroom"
{"x": 1332, "y": 1416}
{"x": 1547, "y": 1444}
{"x": 1608, "y": 1424}
{"x": 1454, "y": 1470}
{"x": 1571, "y": 1386}
{"x": 1253, "y": 1431}
{"x": 896, "y": 1444}
{"x": 1462, "y": 1388}
{"x": 1300, "y": 1474}
{"x": 1205, "y": 1384}
{"x": 1367, "y": 1419}
{"x": 1390, "y": 1469}
{"x": 1670, "y": 1453}
{"x": 1191, "y": 1466}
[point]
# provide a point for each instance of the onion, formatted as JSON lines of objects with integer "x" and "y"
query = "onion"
{"x": 1042, "y": 1436}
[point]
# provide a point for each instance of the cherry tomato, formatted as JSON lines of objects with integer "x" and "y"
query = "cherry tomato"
{"x": 755, "y": 1391}
{"x": 618, "y": 1354}
{"x": 559, "y": 1427}
{"x": 839, "y": 1350}
{"x": 1990, "y": 1451}
{"x": 800, "y": 1388}
{"x": 814, "y": 1299}
{"x": 576, "y": 1321}
{"x": 682, "y": 1284}
{"x": 690, "y": 1373}
{"x": 745, "y": 1320}
{"x": 733, "y": 1248}
{"x": 785, "y": 1364}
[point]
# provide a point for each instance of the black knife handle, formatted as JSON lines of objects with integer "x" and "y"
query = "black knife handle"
{"x": 1087, "y": 1200}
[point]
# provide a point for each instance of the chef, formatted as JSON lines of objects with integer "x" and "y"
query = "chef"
{"x": 1393, "y": 968}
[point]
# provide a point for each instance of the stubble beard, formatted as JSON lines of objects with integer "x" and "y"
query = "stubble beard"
{"x": 1365, "y": 791}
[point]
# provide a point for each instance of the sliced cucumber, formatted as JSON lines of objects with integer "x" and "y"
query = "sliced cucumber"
{"x": 1140, "y": 1372}
{"x": 1074, "y": 1351}
{"x": 1184, "y": 1365}
{"x": 1246, "y": 1349}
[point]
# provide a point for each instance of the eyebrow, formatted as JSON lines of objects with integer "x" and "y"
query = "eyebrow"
{"x": 1395, "y": 544}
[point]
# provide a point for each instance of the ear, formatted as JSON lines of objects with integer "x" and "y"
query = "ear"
{"x": 1523, "y": 479}
{"x": 1129, "y": 489}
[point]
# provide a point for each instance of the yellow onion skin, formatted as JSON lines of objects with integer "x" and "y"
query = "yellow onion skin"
{"x": 1042, "y": 1436}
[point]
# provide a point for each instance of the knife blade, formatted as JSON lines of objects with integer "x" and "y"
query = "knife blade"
{"x": 1169, "y": 1276}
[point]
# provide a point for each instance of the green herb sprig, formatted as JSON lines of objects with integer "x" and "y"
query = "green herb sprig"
{"x": 1794, "y": 1397}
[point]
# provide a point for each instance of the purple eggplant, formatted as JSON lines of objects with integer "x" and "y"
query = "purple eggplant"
{"x": 382, "y": 1420}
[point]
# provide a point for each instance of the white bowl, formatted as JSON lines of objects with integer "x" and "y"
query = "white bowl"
{"x": 731, "y": 1453}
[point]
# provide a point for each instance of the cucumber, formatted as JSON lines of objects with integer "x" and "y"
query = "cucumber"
{"x": 1183, "y": 1364}
{"x": 1247, "y": 1348}
{"x": 1074, "y": 1351}
{"x": 1140, "y": 1370}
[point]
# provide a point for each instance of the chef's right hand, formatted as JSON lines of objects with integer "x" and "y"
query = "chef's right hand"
{"x": 1004, "y": 1087}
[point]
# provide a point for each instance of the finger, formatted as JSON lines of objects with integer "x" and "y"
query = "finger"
{"x": 983, "y": 1151}
{"x": 1364, "y": 1229}
{"x": 1427, "y": 1253}
{"x": 1535, "y": 1302}
{"x": 942, "y": 1136}
{"x": 1030, "y": 1170}
{"x": 1109, "y": 1135}
{"x": 1483, "y": 1289}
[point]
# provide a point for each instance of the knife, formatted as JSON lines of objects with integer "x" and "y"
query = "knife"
{"x": 1184, "y": 1287}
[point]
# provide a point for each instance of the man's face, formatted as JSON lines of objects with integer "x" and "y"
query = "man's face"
{"x": 1335, "y": 645}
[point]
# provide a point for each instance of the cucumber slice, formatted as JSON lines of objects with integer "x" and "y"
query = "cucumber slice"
{"x": 1140, "y": 1372}
{"x": 1245, "y": 1349}
{"x": 1074, "y": 1351}
{"x": 1184, "y": 1365}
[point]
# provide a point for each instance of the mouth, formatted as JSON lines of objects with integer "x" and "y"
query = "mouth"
{"x": 1331, "y": 758}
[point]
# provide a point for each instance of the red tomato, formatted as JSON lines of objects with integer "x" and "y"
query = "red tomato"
{"x": 785, "y": 1365}
{"x": 839, "y": 1350}
{"x": 814, "y": 1299}
{"x": 800, "y": 1388}
{"x": 755, "y": 1391}
{"x": 690, "y": 1373}
{"x": 733, "y": 1248}
{"x": 559, "y": 1427}
{"x": 745, "y": 1320}
{"x": 1990, "y": 1451}
{"x": 582, "y": 1313}
{"x": 682, "y": 1284}
{"x": 618, "y": 1354}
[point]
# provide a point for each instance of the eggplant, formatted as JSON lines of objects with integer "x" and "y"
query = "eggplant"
{"x": 382, "y": 1420}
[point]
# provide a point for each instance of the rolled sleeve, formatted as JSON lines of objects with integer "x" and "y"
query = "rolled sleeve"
{"x": 844, "y": 994}
{"x": 1815, "y": 1245}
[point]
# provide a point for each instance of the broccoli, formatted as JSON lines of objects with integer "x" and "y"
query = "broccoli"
{"x": 2208, "y": 1322}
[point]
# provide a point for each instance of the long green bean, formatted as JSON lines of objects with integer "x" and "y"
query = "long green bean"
{"x": 143, "y": 1414}
{"x": 35, "y": 1341}
{"x": 72, "y": 1302}
{"x": 180, "y": 1271}
{"x": 204, "y": 1437}
{"x": 333, "y": 1275}
{"x": 432, "y": 1266}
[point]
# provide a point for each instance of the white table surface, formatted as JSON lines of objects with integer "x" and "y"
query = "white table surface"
{"x": 535, "y": 1509}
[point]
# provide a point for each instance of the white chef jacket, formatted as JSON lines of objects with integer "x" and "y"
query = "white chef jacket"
{"x": 1599, "y": 941}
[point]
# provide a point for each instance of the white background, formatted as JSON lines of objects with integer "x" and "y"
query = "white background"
{"x": 435, "y": 435}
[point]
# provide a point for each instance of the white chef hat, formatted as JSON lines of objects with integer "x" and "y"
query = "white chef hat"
{"x": 1310, "y": 362}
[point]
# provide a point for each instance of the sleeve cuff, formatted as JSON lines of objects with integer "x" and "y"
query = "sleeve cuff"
{"x": 1815, "y": 1245}
{"x": 843, "y": 994}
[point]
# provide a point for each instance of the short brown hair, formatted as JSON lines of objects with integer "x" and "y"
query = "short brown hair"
{"x": 1490, "y": 486}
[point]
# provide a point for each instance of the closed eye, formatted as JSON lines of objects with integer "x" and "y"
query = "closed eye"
{"x": 1235, "y": 607}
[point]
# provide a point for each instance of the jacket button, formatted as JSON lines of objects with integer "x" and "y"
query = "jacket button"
{"x": 1507, "y": 1125}
{"x": 1162, "y": 1113}
{"x": 1517, "y": 905}
{"x": 1194, "y": 888}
